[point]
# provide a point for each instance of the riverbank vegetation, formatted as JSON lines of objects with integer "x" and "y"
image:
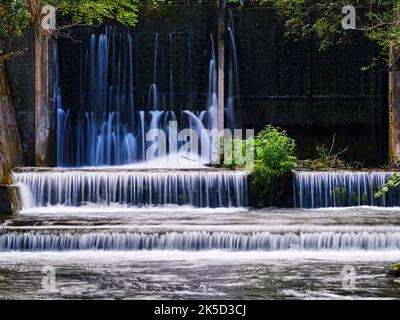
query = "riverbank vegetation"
{"x": 393, "y": 182}
{"x": 274, "y": 159}
{"x": 328, "y": 159}
{"x": 322, "y": 19}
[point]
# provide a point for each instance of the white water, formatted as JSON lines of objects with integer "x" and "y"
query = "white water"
{"x": 173, "y": 274}
{"x": 137, "y": 188}
{"x": 199, "y": 241}
{"x": 109, "y": 125}
{"x": 89, "y": 257}
{"x": 176, "y": 161}
{"x": 342, "y": 189}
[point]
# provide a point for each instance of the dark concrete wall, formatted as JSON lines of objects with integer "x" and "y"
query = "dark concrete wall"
{"x": 190, "y": 77}
{"x": 290, "y": 84}
{"x": 8, "y": 200}
{"x": 21, "y": 76}
{"x": 309, "y": 93}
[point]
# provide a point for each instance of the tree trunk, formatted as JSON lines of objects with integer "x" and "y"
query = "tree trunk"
{"x": 394, "y": 103}
{"x": 10, "y": 144}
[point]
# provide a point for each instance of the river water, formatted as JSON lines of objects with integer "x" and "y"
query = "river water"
{"x": 353, "y": 267}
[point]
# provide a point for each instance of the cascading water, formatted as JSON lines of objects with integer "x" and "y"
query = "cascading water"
{"x": 170, "y": 206}
{"x": 194, "y": 241}
{"x": 109, "y": 128}
{"x": 342, "y": 189}
{"x": 233, "y": 93}
{"x": 357, "y": 239}
{"x": 136, "y": 188}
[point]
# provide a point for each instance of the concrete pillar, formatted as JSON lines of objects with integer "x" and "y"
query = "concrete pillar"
{"x": 221, "y": 64}
{"x": 394, "y": 102}
{"x": 45, "y": 113}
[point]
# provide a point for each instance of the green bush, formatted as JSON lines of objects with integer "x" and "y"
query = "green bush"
{"x": 275, "y": 150}
{"x": 272, "y": 148}
{"x": 274, "y": 159}
{"x": 262, "y": 184}
{"x": 274, "y": 154}
{"x": 233, "y": 153}
{"x": 393, "y": 182}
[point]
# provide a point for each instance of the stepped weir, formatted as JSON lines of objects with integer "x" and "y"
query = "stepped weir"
{"x": 200, "y": 188}
{"x": 318, "y": 189}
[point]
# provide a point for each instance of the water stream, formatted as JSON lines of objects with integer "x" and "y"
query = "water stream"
{"x": 109, "y": 223}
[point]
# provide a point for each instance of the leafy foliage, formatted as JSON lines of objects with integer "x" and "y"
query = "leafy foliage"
{"x": 274, "y": 158}
{"x": 14, "y": 17}
{"x": 393, "y": 182}
{"x": 275, "y": 150}
{"x": 232, "y": 152}
{"x": 272, "y": 148}
{"x": 322, "y": 18}
{"x": 96, "y": 12}
{"x": 262, "y": 184}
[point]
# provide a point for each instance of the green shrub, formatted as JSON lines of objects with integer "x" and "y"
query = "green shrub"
{"x": 262, "y": 183}
{"x": 274, "y": 154}
{"x": 393, "y": 182}
{"x": 272, "y": 148}
{"x": 275, "y": 150}
{"x": 274, "y": 159}
{"x": 233, "y": 153}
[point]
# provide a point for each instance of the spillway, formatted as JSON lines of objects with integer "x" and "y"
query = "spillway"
{"x": 195, "y": 241}
{"x": 200, "y": 188}
{"x": 318, "y": 189}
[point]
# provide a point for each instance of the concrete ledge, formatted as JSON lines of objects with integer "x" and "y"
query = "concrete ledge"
{"x": 122, "y": 169}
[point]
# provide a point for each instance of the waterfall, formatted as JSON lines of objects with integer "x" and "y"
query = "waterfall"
{"x": 195, "y": 241}
{"x": 342, "y": 189}
{"x": 137, "y": 187}
{"x": 233, "y": 92}
{"x": 108, "y": 127}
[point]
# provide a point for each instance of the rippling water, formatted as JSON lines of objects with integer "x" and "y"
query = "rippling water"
{"x": 207, "y": 274}
{"x": 211, "y": 275}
